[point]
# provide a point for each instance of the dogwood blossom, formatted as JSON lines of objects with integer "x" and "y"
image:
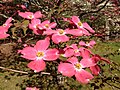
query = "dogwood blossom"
{"x": 30, "y": 15}
{"x": 58, "y": 35}
{"x": 47, "y": 25}
{"x": 84, "y": 26}
{"x": 90, "y": 44}
{"x": 34, "y": 26}
{"x": 74, "y": 67}
{"x": 39, "y": 54}
{"x": 71, "y": 50}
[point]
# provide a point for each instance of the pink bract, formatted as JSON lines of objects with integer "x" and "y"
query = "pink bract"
{"x": 38, "y": 53}
{"x": 30, "y": 15}
{"x": 74, "y": 67}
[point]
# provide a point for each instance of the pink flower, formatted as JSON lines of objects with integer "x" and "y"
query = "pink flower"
{"x": 71, "y": 50}
{"x": 39, "y": 53}
{"x": 84, "y": 26}
{"x": 32, "y": 88}
{"x": 47, "y": 25}
{"x": 30, "y": 15}
{"x": 58, "y": 35}
{"x": 90, "y": 44}
{"x": 74, "y": 67}
{"x": 35, "y": 26}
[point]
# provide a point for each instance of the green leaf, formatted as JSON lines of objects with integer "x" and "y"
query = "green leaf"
{"x": 24, "y": 30}
{"x": 13, "y": 31}
{"x": 62, "y": 58}
{"x": 25, "y": 23}
{"x": 18, "y": 24}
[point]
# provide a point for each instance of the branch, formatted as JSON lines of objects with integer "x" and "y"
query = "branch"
{"x": 22, "y": 72}
{"x": 95, "y": 11}
{"x": 100, "y": 2}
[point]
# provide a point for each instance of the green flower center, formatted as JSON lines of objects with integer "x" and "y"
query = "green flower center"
{"x": 40, "y": 54}
{"x": 47, "y": 25}
{"x": 61, "y": 31}
{"x": 80, "y": 23}
{"x": 4, "y": 25}
{"x": 76, "y": 51}
{"x": 30, "y": 16}
{"x": 78, "y": 66}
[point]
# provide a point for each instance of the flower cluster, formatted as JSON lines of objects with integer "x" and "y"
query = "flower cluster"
{"x": 78, "y": 56}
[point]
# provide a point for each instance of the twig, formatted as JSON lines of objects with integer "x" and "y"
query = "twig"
{"x": 6, "y": 16}
{"x": 23, "y": 72}
{"x": 13, "y": 70}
